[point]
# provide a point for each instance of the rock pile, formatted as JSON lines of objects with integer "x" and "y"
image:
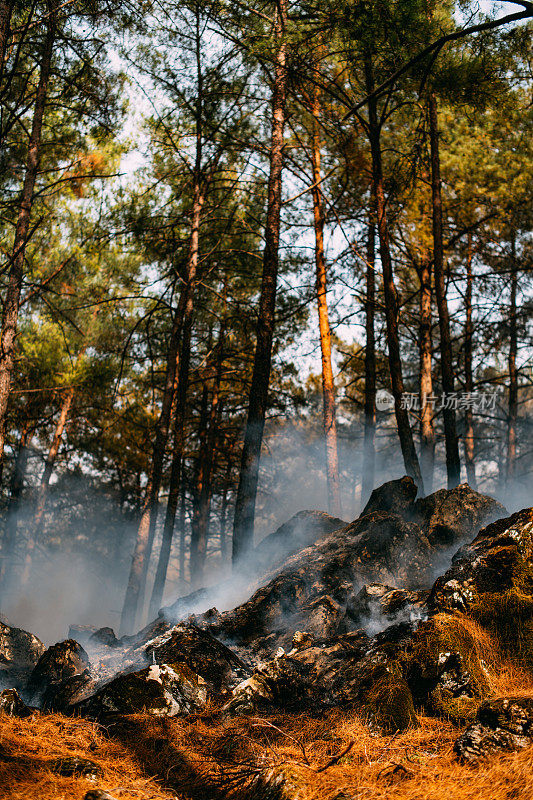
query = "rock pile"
{"x": 337, "y": 615}
{"x": 19, "y": 653}
{"x": 502, "y": 724}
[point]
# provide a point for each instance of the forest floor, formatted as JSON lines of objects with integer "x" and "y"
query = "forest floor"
{"x": 332, "y": 756}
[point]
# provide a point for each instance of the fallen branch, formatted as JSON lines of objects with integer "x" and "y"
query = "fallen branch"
{"x": 266, "y": 723}
{"x": 335, "y": 759}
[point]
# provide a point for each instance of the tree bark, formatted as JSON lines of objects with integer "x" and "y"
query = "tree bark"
{"x": 204, "y": 486}
{"x": 369, "y": 453}
{"x": 146, "y": 529}
{"x": 194, "y": 556}
{"x": 6, "y": 11}
{"x": 469, "y": 378}
{"x": 243, "y": 523}
{"x": 12, "y": 299}
{"x": 453, "y": 464}
{"x": 513, "y": 375}
{"x": 181, "y": 524}
{"x": 405, "y": 433}
{"x": 223, "y": 516}
{"x": 427, "y": 430}
{"x": 133, "y": 600}
{"x": 328, "y": 385}
{"x": 175, "y": 470}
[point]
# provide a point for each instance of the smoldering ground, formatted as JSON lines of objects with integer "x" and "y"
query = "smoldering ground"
{"x": 82, "y": 560}
{"x": 79, "y": 560}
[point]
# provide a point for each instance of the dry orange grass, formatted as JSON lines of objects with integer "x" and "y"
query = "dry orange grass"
{"x": 416, "y": 765}
{"x": 505, "y": 677}
{"x": 330, "y": 756}
{"x": 206, "y": 757}
{"x": 28, "y": 746}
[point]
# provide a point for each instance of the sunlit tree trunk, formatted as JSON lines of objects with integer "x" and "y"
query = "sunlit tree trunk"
{"x": 16, "y": 270}
{"x": 513, "y": 376}
{"x": 427, "y": 430}
{"x": 453, "y": 465}
{"x": 369, "y": 456}
{"x": 6, "y": 12}
{"x": 405, "y": 433}
{"x": 243, "y": 523}
{"x": 328, "y": 385}
{"x": 469, "y": 378}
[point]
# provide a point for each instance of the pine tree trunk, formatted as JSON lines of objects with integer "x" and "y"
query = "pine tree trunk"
{"x": 203, "y": 509}
{"x": 181, "y": 524}
{"x": 427, "y": 430}
{"x": 469, "y": 378}
{"x": 243, "y": 523}
{"x": 146, "y": 529}
{"x": 198, "y": 482}
{"x": 42, "y": 492}
{"x": 133, "y": 600}
{"x": 453, "y": 464}
{"x": 6, "y": 11}
{"x": 369, "y": 453}
{"x": 175, "y": 484}
{"x": 328, "y": 385}
{"x": 223, "y": 517}
{"x": 12, "y": 299}
{"x": 513, "y": 375}
{"x": 405, "y": 433}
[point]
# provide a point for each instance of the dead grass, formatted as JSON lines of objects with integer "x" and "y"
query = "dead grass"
{"x": 330, "y": 756}
{"x": 205, "y": 757}
{"x": 28, "y": 746}
{"x": 505, "y": 677}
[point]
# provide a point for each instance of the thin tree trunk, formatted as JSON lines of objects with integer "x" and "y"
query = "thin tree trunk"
{"x": 17, "y": 485}
{"x": 453, "y": 464}
{"x": 328, "y": 385}
{"x": 42, "y": 492}
{"x": 469, "y": 379}
{"x": 12, "y": 299}
{"x": 133, "y": 601}
{"x": 405, "y": 433}
{"x": 119, "y": 537}
{"x": 6, "y": 11}
{"x": 244, "y": 517}
{"x": 146, "y": 529}
{"x": 181, "y": 525}
{"x": 513, "y": 376}
{"x": 206, "y": 472}
{"x": 427, "y": 429}
{"x": 175, "y": 473}
{"x": 138, "y": 493}
{"x": 369, "y": 454}
{"x": 502, "y": 465}
{"x": 223, "y": 516}
{"x": 198, "y": 483}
